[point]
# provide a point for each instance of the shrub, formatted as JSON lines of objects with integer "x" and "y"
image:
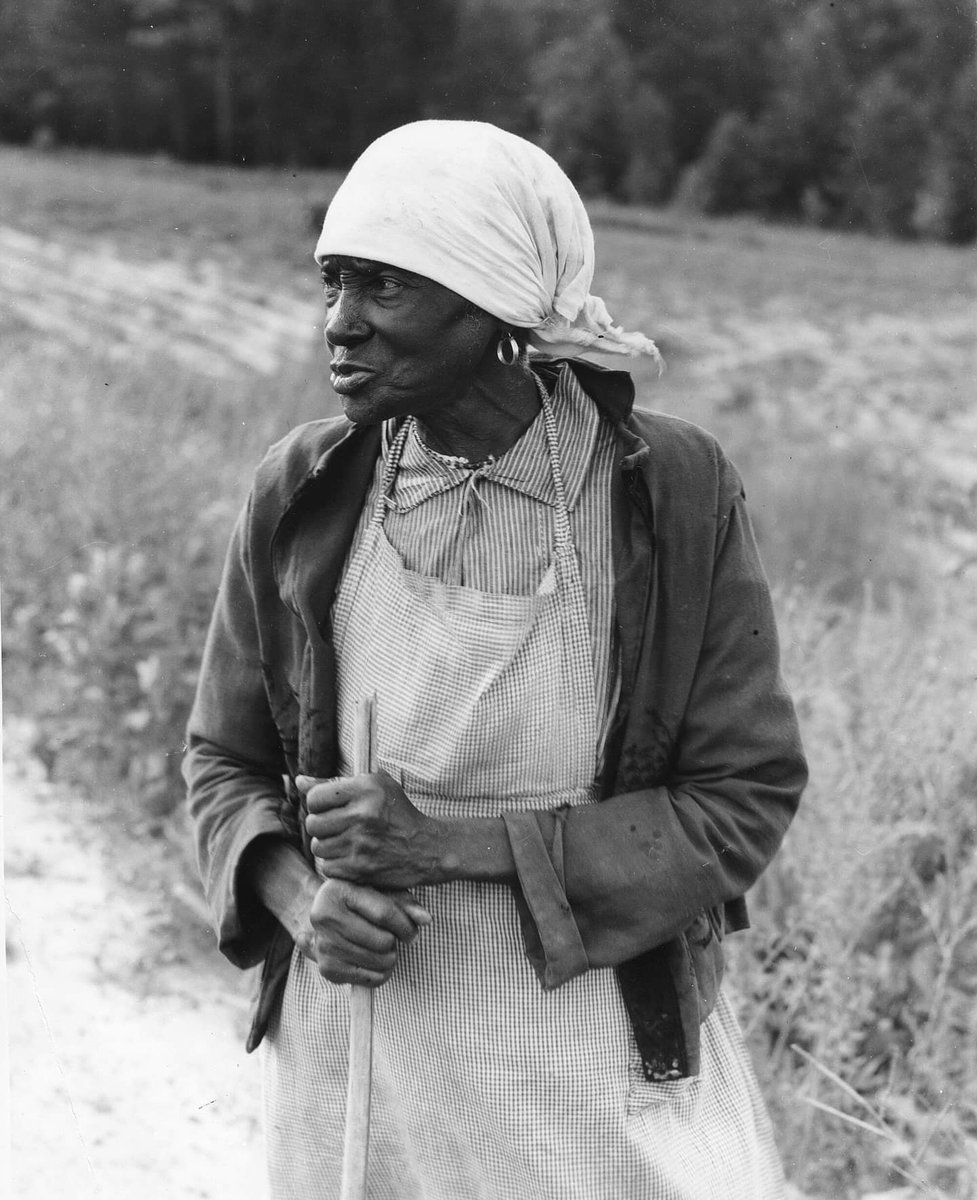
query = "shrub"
{"x": 651, "y": 170}
{"x": 583, "y": 87}
{"x": 889, "y": 138}
{"x": 728, "y": 176}
{"x": 952, "y": 185}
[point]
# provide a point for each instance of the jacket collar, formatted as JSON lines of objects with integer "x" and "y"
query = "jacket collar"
{"x": 613, "y": 393}
{"x": 611, "y": 390}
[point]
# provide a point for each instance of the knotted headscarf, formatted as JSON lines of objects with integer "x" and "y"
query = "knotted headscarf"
{"x": 488, "y": 215}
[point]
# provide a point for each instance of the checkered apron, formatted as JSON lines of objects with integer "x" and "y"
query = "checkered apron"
{"x": 485, "y": 1087}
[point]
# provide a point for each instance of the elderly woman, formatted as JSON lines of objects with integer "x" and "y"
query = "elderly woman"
{"x": 586, "y": 754}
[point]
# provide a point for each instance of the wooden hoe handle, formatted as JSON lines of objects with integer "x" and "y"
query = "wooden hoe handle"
{"x": 356, "y": 1146}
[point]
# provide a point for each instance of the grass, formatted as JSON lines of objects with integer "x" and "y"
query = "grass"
{"x": 863, "y": 955}
{"x": 836, "y": 370}
{"x": 152, "y": 206}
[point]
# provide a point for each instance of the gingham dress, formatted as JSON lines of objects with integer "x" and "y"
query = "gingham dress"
{"x": 485, "y": 1087}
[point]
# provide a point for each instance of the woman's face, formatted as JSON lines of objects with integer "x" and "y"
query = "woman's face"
{"x": 399, "y": 342}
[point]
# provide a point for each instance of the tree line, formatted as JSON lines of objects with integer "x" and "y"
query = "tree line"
{"x": 848, "y": 113}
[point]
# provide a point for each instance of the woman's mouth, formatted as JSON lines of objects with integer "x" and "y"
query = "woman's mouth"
{"x": 347, "y": 378}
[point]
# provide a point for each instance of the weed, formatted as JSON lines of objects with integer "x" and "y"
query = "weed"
{"x": 861, "y": 968}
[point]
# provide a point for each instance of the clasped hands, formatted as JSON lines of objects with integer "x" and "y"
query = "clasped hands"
{"x": 371, "y": 844}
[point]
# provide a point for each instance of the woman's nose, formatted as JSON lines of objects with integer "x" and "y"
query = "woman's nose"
{"x": 345, "y": 323}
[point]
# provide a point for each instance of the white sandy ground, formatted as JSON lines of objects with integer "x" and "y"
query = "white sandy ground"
{"x": 128, "y": 1077}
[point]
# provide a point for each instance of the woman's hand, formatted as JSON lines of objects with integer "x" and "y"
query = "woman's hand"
{"x": 357, "y": 931}
{"x": 365, "y": 829}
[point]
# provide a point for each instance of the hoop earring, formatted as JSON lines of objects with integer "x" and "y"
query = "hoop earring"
{"x": 507, "y": 350}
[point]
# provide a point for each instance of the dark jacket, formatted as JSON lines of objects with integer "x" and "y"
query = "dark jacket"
{"x": 704, "y": 767}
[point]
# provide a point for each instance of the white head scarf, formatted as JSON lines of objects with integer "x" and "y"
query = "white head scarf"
{"x": 488, "y": 215}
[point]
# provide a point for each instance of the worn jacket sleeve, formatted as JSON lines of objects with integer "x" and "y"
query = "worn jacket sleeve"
{"x": 234, "y": 766}
{"x": 603, "y": 883}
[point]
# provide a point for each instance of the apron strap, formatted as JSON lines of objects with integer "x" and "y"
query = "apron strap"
{"x": 563, "y": 536}
{"x": 389, "y": 473}
{"x": 562, "y": 521}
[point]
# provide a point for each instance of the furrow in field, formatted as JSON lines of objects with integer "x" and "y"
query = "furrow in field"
{"x": 194, "y": 316}
{"x": 203, "y": 276}
{"x": 866, "y": 384}
{"x": 140, "y": 330}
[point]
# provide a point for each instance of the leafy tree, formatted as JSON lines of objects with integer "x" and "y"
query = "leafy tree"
{"x": 803, "y": 125}
{"x": 21, "y": 65}
{"x": 922, "y": 46}
{"x": 703, "y": 58}
{"x": 954, "y": 172}
{"x": 325, "y": 77}
{"x": 856, "y": 112}
{"x": 650, "y": 175}
{"x": 188, "y": 57}
{"x": 859, "y": 96}
{"x": 487, "y": 66}
{"x": 728, "y": 176}
{"x": 583, "y": 96}
{"x": 889, "y": 140}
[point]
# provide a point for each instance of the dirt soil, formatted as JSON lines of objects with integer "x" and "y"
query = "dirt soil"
{"x": 128, "y": 1074}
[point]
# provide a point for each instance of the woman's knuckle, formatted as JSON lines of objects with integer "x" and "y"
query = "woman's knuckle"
{"x": 364, "y": 836}
{"x": 359, "y": 859}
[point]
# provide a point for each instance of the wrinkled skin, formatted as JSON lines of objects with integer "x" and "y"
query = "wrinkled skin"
{"x": 357, "y": 931}
{"x": 371, "y": 843}
{"x": 401, "y": 345}
{"x": 364, "y": 828}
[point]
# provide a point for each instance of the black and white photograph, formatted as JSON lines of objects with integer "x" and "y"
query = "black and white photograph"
{"x": 488, "y": 562}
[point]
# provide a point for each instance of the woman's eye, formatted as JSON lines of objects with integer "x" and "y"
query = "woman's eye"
{"x": 379, "y": 285}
